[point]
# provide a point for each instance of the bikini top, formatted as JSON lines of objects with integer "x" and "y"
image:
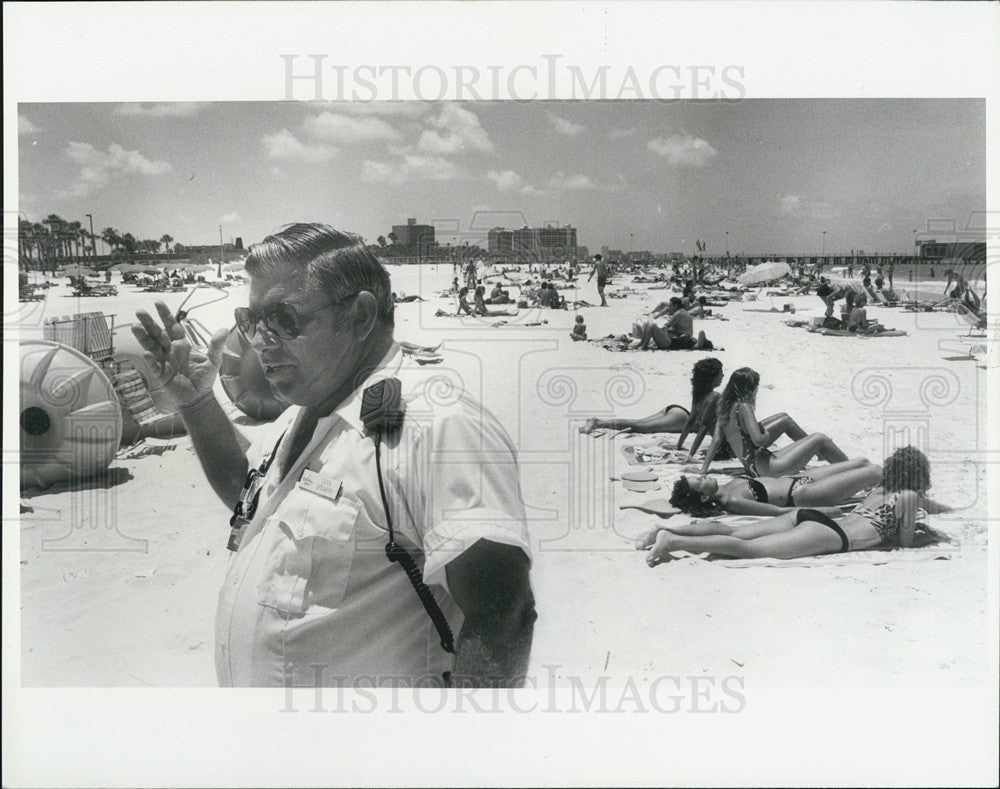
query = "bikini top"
{"x": 883, "y": 517}
{"x": 757, "y": 489}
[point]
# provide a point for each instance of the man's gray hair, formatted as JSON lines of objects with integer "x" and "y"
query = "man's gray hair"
{"x": 339, "y": 263}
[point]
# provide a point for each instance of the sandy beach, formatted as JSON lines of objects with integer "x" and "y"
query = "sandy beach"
{"x": 118, "y": 583}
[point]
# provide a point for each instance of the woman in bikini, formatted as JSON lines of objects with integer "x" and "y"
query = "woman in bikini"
{"x": 479, "y": 306}
{"x": 750, "y": 439}
{"x": 824, "y": 488}
{"x": 705, "y": 377}
{"x": 891, "y": 516}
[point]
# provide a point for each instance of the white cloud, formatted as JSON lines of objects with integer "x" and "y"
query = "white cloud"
{"x": 578, "y": 182}
{"x": 564, "y": 126}
{"x": 412, "y": 167}
{"x": 25, "y": 126}
{"x": 814, "y": 208}
{"x": 790, "y": 203}
{"x": 461, "y": 131}
{"x": 231, "y": 218}
{"x": 285, "y": 145}
{"x": 621, "y": 134}
{"x": 683, "y": 151}
{"x": 172, "y": 109}
{"x": 509, "y": 181}
{"x": 394, "y": 109}
{"x": 332, "y": 127}
{"x": 100, "y": 168}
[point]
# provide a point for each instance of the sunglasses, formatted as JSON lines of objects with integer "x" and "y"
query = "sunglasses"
{"x": 280, "y": 320}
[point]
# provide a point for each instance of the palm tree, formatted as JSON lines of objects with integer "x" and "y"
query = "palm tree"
{"x": 27, "y": 241}
{"x": 130, "y": 244}
{"x": 110, "y": 237}
{"x": 56, "y": 224}
{"x": 73, "y": 230}
{"x": 166, "y": 239}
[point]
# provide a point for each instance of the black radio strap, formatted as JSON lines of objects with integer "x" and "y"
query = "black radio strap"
{"x": 397, "y": 553}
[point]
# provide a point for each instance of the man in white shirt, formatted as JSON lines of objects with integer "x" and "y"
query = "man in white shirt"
{"x": 311, "y": 597}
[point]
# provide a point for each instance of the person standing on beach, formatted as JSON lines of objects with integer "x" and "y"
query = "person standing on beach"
{"x": 829, "y": 294}
{"x": 601, "y": 270}
{"x": 470, "y": 276}
{"x": 348, "y": 482}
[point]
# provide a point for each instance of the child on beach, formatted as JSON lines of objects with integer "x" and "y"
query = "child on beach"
{"x": 579, "y": 330}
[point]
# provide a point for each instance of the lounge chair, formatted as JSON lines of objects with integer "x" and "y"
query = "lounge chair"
{"x": 143, "y": 416}
{"x": 89, "y": 333}
{"x": 29, "y": 293}
{"x": 84, "y": 288}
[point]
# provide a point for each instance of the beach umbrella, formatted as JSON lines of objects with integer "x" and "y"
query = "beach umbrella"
{"x": 140, "y": 269}
{"x": 238, "y": 265}
{"x": 764, "y": 272}
{"x": 126, "y": 267}
{"x": 76, "y": 270}
{"x": 196, "y": 268}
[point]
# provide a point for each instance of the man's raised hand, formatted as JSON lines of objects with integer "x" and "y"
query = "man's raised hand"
{"x": 186, "y": 373}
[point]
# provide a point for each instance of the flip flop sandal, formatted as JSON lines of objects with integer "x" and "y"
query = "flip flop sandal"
{"x": 642, "y": 487}
{"x": 659, "y": 507}
{"x": 637, "y": 476}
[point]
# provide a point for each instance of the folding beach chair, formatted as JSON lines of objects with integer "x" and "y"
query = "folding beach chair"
{"x": 138, "y": 406}
{"x": 88, "y": 332}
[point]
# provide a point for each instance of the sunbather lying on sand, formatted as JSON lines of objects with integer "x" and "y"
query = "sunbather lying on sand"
{"x": 750, "y": 439}
{"x": 826, "y": 487}
{"x": 892, "y": 515}
{"x": 707, "y": 374}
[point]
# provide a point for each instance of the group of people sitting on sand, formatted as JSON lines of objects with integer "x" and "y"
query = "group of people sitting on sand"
{"x": 675, "y": 334}
{"x": 806, "y": 508}
{"x": 853, "y": 315}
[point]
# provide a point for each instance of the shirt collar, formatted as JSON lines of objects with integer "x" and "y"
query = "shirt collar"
{"x": 388, "y": 367}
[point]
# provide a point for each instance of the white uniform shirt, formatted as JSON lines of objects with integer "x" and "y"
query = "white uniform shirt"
{"x": 310, "y": 597}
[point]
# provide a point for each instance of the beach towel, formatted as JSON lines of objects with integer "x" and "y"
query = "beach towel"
{"x": 622, "y": 344}
{"x": 845, "y": 333}
{"x": 942, "y": 551}
{"x": 945, "y": 548}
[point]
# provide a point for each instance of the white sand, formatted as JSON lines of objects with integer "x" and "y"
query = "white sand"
{"x": 145, "y": 617}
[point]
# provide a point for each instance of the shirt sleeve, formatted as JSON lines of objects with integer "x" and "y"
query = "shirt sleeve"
{"x": 471, "y": 487}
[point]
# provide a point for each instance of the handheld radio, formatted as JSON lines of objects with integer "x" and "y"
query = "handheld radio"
{"x": 382, "y": 412}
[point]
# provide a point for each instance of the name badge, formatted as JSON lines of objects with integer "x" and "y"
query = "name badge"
{"x": 320, "y": 484}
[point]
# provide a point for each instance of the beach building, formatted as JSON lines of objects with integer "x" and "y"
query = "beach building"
{"x": 419, "y": 238}
{"x": 933, "y": 250}
{"x": 549, "y": 242}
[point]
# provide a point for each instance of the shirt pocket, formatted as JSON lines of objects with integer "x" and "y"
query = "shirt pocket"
{"x": 308, "y": 553}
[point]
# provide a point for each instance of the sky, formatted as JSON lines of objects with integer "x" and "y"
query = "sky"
{"x": 783, "y": 176}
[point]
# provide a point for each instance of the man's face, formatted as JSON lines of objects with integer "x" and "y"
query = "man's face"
{"x": 309, "y": 369}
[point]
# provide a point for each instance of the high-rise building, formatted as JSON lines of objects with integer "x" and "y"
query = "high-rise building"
{"x": 419, "y": 237}
{"x": 547, "y": 242}
{"x": 500, "y": 241}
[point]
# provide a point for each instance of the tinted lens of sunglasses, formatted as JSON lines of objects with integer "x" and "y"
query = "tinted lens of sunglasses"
{"x": 283, "y": 321}
{"x": 246, "y": 322}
